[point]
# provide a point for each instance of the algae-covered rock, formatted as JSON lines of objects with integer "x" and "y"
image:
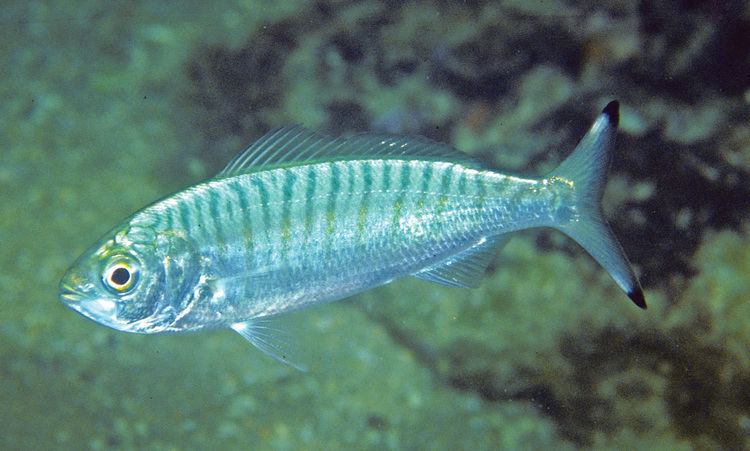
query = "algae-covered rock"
{"x": 721, "y": 290}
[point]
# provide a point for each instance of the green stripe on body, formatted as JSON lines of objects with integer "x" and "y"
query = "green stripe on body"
{"x": 216, "y": 218}
{"x": 364, "y": 205}
{"x": 265, "y": 209}
{"x": 184, "y": 211}
{"x": 462, "y": 182}
{"x": 310, "y": 199}
{"x": 245, "y": 223}
{"x": 481, "y": 191}
{"x": 335, "y": 190}
{"x": 170, "y": 214}
{"x": 398, "y": 204}
{"x": 425, "y": 188}
{"x": 445, "y": 186}
{"x": 286, "y": 213}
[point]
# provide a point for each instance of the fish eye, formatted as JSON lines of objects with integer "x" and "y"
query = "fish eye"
{"x": 120, "y": 276}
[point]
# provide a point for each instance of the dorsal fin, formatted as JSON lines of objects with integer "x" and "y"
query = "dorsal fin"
{"x": 296, "y": 144}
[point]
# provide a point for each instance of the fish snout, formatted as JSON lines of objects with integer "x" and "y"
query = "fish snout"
{"x": 79, "y": 294}
{"x": 70, "y": 288}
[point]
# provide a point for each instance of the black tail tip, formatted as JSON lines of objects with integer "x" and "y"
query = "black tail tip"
{"x": 612, "y": 111}
{"x": 636, "y": 295}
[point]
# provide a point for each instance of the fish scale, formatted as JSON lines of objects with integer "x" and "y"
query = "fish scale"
{"x": 403, "y": 219}
{"x": 300, "y": 218}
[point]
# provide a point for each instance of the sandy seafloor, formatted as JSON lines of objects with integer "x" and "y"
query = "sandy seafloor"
{"x": 107, "y": 106}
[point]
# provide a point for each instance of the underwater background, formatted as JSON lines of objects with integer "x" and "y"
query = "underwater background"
{"x": 108, "y": 106}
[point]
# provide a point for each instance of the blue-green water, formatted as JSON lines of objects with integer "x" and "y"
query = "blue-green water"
{"x": 106, "y": 107}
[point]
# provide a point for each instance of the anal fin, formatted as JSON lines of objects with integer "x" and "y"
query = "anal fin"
{"x": 465, "y": 269}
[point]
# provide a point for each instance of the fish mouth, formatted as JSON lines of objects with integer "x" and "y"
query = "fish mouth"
{"x": 76, "y": 298}
{"x": 70, "y": 294}
{"x": 74, "y": 288}
{"x": 102, "y": 311}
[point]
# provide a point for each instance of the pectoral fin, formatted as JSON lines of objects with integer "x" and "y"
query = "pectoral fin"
{"x": 268, "y": 339}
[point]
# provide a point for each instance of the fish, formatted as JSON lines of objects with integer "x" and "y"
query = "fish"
{"x": 301, "y": 218}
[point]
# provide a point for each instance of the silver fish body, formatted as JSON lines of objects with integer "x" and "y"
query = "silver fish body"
{"x": 271, "y": 241}
{"x": 300, "y": 218}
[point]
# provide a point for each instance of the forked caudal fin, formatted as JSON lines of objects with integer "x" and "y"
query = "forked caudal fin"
{"x": 587, "y": 168}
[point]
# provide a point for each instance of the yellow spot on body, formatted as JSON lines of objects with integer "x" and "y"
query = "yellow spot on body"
{"x": 442, "y": 202}
{"x": 330, "y": 221}
{"x": 557, "y": 179}
{"x": 285, "y": 234}
{"x": 397, "y": 207}
{"x": 361, "y": 220}
{"x": 248, "y": 238}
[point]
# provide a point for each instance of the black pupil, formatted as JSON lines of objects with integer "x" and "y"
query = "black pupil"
{"x": 120, "y": 276}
